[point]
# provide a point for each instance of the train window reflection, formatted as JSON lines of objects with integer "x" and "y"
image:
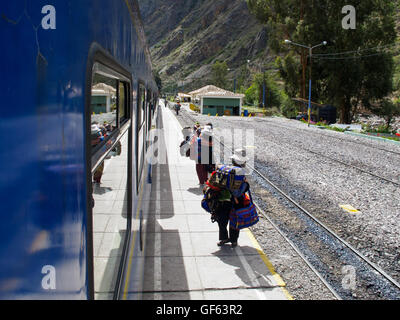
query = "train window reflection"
{"x": 141, "y": 106}
{"x": 103, "y": 109}
{"x": 122, "y": 102}
{"x": 110, "y": 218}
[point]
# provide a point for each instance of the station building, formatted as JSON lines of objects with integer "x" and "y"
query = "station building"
{"x": 183, "y": 97}
{"x": 214, "y": 100}
{"x": 103, "y": 98}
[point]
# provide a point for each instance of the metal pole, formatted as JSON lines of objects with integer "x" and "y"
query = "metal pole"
{"x": 309, "y": 93}
{"x": 324, "y": 43}
{"x": 264, "y": 95}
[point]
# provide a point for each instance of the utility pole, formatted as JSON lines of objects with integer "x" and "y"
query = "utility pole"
{"x": 324, "y": 43}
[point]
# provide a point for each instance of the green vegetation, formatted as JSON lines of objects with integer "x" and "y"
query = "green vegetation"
{"x": 326, "y": 126}
{"x": 355, "y": 70}
{"x": 388, "y": 109}
{"x": 219, "y": 73}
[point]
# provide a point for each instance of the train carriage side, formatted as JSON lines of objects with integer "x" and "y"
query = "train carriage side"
{"x": 71, "y": 180}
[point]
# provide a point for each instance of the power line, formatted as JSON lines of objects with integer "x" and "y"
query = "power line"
{"x": 356, "y": 51}
{"x": 356, "y": 57}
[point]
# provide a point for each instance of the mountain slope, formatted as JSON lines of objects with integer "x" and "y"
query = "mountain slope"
{"x": 186, "y": 37}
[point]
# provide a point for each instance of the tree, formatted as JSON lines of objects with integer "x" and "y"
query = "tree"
{"x": 251, "y": 94}
{"x": 388, "y": 109}
{"x": 254, "y": 94}
{"x": 272, "y": 96}
{"x": 361, "y": 76}
{"x": 219, "y": 73}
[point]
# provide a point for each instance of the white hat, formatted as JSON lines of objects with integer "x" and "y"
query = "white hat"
{"x": 240, "y": 156}
{"x": 95, "y": 128}
{"x": 207, "y": 130}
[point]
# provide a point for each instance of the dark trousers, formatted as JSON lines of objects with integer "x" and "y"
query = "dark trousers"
{"x": 202, "y": 173}
{"x": 223, "y": 221}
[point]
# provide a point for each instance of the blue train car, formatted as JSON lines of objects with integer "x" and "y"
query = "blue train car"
{"x": 78, "y": 100}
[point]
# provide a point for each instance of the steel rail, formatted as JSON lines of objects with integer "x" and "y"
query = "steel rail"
{"x": 351, "y": 165}
{"x": 317, "y": 273}
{"x": 328, "y": 136}
{"x": 344, "y": 242}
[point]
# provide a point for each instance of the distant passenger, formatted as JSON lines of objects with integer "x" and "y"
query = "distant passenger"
{"x": 197, "y": 129}
{"x": 201, "y": 151}
{"x": 177, "y": 107}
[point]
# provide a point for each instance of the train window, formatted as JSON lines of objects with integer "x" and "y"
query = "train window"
{"x": 110, "y": 217}
{"x": 111, "y": 175}
{"x": 141, "y": 133}
{"x": 103, "y": 109}
{"x": 123, "y": 103}
{"x": 149, "y": 114}
{"x": 142, "y": 106}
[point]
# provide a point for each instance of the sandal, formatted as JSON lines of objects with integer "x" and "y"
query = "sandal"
{"x": 222, "y": 242}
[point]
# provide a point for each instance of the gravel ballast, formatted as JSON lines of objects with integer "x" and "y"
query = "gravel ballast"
{"x": 310, "y": 165}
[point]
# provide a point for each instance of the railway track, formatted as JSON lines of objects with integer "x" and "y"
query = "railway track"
{"x": 329, "y": 136}
{"x": 344, "y": 270}
{"x": 365, "y": 171}
{"x": 327, "y": 253}
{"x": 347, "y": 165}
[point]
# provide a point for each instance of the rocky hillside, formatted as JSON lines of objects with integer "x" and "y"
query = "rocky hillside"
{"x": 186, "y": 37}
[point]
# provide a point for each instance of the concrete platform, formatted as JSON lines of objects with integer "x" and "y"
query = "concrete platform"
{"x": 182, "y": 260}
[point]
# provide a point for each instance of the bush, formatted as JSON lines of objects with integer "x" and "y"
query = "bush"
{"x": 288, "y": 107}
{"x": 194, "y": 107}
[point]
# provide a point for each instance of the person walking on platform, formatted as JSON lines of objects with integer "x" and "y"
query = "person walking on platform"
{"x": 197, "y": 129}
{"x": 177, "y": 107}
{"x": 239, "y": 199}
{"x": 202, "y": 153}
{"x": 222, "y": 202}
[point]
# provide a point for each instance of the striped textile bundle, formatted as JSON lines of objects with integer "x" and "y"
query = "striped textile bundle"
{"x": 243, "y": 218}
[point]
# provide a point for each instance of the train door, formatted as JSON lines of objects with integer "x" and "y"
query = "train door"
{"x": 111, "y": 178}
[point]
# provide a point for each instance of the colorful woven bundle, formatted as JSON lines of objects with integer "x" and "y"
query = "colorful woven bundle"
{"x": 243, "y": 218}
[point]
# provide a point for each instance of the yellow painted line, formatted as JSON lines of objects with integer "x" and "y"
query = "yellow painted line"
{"x": 349, "y": 208}
{"x": 133, "y": 242}
{"x": 269, "y": 265}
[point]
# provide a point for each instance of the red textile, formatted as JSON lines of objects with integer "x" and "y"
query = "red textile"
{"x": 202, "y": 173}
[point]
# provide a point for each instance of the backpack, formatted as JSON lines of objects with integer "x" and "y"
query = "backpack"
{"x": 227, "y": 177}
{"x": 212, "y": 203}
{"x": 184, "y": 148}
{"x": 210, "y": 199}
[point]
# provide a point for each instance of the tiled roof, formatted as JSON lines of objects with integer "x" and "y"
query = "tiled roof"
{"x": 214, "y": 91}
